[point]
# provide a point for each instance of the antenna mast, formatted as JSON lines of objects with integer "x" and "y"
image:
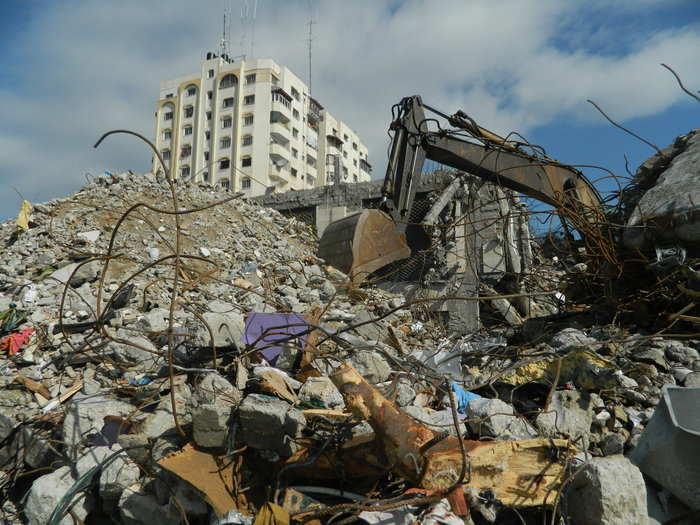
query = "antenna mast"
{"x": 224, "y": 44}
{"x": 310, "y": 38}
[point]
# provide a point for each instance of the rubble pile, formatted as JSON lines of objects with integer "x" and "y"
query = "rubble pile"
{"x": 226, "y": 375}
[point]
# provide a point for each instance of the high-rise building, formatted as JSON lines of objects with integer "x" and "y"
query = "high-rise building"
{"x": 252, "y": 126}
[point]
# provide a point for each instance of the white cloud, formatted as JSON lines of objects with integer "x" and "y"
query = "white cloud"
{"x": 91, "y": 67}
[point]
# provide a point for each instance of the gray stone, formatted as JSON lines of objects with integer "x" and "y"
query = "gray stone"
{"x": 116, "y": 475}
{"x": 570, "y": 338}
{"x": 228, "y": 329}
{"x": 25, "y": 444}
{"x": 680, "y": 373}
{"x": 612, "y": 444}
{"x": 86, "y": 273}
{"x": 497, "y": 419}
{"x": 140, "y": 351}
{"x": 437, "y": 420}
{"x": 370, "y": 365}
{"x": 210, "y": 424}
{"x": 692, "y": 380}
{"x": 570, "y": 413}
{"x": 322, "y": 389}
{"x": 653, "y": 355}
{"x": 136, "y": 507}
{"x": 47, "y": 492}
{"x": 155, "y": 320}
{"x": 269, "y": 424}
{"x": 327, "y": 290}
{"x": 608, "y": 491}
{"x": 371, "y": 331}
{"x": 85, "y": 415}
{"x": 672, "y": 200}
{"x": 678, "y": 352}
{"x": 214, "y": 387}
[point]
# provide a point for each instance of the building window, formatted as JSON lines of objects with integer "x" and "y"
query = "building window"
{"x": 246, "y": 161}
{"x": 185, "y": 171}
{"x": 210, "y": 94}
{"x": 186, "y": 151}
{"x": 310, "y": 160}
{"x": 345, "y": 138}
{"x": 210, "y": 73}
{"x": 295, "y": 133}
{"x": 228, "y": 81}
{"x": 354, "y": 146}
{"x": 224, "y": 164}
{"x": 206, "y": 155}
{"x": 205, "y": 176}
{"x": 345, "y": 172}
{"x": 250, "y": 79}
{"x": 354, "y": 162}
{"x": 207, "y": 134}
{"x": 189, "y": 111}
{"x": 275, "y": 80}
{"x": 295, "y": 153}
{"x": 354, "y": 178}
{"x": 191, "y": 91}
{"x": 228, "y": 102}
{"x": 248, "y": 100}
{"x": 188, "y": 130}
{"x": 295, "y": 93}
{"x": 345, "y": 154}
{"x": 165, "y": 154}
{"x": 226, "y": 122}
{"x": 226, "y": 142}
{"x": 169, "y": 95}
{"x": 295, "y": 114}
{"x": 294, "y": 173}
{"x": 167, "y": 134}
{"x": 248, "y": 120}
{"x": 247, "y": 140}
{"x": 225, "y": 184}
{"x": 208, "y": 115}
{"x": 245, "y": 183}
{"x": 311, "y": 180}
{"x": 168, "y": 115}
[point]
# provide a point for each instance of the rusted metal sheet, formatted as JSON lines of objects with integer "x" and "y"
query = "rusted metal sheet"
{"x": 517, "y": 473}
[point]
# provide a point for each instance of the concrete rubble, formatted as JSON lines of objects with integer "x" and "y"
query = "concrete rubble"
{"x": 121, "y": 406}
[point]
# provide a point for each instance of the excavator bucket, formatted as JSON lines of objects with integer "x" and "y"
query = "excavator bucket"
{"x": 362, "y": 243}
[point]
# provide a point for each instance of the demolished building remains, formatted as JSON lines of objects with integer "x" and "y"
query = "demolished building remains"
{"x": 157, "y": 366}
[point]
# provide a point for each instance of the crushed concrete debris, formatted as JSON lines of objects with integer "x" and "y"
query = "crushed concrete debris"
{"x": 269, "y": 385}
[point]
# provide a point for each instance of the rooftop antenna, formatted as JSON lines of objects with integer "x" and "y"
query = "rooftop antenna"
{"x": 226, "y": 33}
{"x": 309, "y": 40}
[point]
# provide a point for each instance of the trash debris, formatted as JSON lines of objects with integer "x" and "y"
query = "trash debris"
{"x": 242, "y": 380}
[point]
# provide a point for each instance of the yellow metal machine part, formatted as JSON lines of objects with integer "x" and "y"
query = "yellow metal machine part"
{"x": 362, "y": 243}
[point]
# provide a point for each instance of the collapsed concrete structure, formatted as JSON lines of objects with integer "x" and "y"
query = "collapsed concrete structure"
{"x": 178, "y": 370}
{"x": 488, "y": 246}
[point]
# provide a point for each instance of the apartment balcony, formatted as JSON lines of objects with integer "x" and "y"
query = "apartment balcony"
{"x": 278, "y": 173}
{"x": 279, "y": 134}
{"x": 279, "y": 117}
{"x": 281, "y": 107}
{"x": 279, "y": 154}
{"x": 334, "y": 141}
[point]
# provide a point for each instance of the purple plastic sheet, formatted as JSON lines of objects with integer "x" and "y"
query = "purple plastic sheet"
{"x": 278, "y": 326}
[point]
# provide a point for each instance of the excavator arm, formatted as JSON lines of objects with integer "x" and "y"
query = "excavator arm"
{"x": 362, "y": 243}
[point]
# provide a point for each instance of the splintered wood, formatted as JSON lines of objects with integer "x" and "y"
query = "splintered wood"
{"x": 516, "y": 473}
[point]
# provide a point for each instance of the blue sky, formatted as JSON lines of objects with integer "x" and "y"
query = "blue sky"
{"x": 74, "y": 69}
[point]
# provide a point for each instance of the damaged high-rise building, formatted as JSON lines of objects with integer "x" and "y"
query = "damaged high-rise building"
{"x": 253, "y": 126}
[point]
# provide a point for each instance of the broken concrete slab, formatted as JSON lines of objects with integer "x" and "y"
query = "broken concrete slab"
{"x": 495, "y": 418}
{"x": 269, "y": 423}
{"x": 607, "y": 491}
